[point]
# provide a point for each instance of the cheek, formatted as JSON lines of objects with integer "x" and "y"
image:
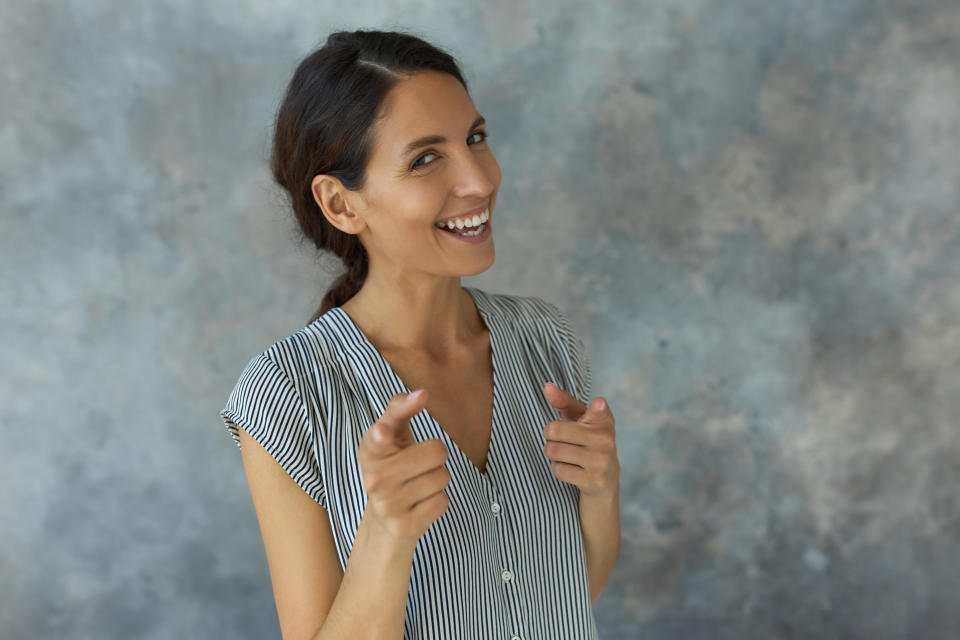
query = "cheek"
{"x": 417, "y": 213}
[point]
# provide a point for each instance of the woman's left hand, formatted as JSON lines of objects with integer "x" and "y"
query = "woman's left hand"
{"x": 582, "y": 447}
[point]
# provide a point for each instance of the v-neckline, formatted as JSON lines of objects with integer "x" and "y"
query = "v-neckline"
{"x": 398, "y": 382}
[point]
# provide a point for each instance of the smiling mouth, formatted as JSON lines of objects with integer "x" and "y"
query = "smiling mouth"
{"x": 466, "y": 228}
{"x": 468, "y": 231}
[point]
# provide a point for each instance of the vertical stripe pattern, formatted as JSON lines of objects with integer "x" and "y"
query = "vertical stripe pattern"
{"x": 506, "y": 560}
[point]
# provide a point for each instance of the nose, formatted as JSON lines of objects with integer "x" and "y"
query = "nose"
{"x": 475, "y": 174}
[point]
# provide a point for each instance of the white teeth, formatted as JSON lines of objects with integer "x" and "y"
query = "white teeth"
{"x": 460, "y": 223}
{"x": 475, "y": 232}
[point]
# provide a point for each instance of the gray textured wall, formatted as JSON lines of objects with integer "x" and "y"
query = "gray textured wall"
{"x": 748, "y": 208}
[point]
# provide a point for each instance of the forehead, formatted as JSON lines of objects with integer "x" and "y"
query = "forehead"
{"x": 424, "y": 104}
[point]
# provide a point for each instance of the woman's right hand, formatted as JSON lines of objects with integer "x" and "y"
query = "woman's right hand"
{"x": 404, "y": 479}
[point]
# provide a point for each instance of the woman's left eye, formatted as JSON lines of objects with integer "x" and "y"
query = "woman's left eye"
{"x": 480, "y": 132}
{"x": 416, "y": 163}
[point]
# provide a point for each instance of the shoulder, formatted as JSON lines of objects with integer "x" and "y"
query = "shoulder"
{"x": 518, "y": 308}
{"x": 525, "y": 312}
{"x": 538, "y": 325}
{"x": 305, "y": 353}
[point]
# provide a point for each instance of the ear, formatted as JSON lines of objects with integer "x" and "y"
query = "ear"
{"x": 331, "y": 196}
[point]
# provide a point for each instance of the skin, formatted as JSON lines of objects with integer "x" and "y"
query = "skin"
{"x": 582, "y": 449}
{"x": 416, "y": 267}
{"x": 413, "y": 265}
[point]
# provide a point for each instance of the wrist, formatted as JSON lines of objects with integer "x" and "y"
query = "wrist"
{"x": 373, "y": 535}
{"x": 608, "y": 496}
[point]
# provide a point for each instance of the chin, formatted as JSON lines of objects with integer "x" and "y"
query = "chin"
{"x": 483, "y": 268}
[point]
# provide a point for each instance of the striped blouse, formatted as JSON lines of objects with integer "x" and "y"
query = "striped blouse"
{"x": 506, "y": 560}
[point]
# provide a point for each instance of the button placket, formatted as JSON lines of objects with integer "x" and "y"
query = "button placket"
{"x": 502, "y": 533}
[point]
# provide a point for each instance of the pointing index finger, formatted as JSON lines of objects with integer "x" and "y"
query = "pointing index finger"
{"x": 392, "y": 431}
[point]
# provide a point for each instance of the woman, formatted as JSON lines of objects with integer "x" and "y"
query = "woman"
{"x": 376, "y": 520}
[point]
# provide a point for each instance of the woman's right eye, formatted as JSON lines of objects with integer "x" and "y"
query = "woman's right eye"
{"x": 415, "y": 163}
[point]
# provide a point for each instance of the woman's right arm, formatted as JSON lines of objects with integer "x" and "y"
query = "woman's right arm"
{"x": 314, "y": 599}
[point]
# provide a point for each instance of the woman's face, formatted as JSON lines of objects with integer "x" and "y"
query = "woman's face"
{"x": 409, "y": 189}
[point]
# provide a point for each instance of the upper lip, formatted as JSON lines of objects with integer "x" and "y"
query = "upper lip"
{"x": 465, "y": 213}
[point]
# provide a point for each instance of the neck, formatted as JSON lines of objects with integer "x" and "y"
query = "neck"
{"x": 436, "y": 318}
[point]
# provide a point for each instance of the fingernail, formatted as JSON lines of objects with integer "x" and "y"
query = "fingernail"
{"x": 602, "y": 405}
{"x": 415, "y": 394}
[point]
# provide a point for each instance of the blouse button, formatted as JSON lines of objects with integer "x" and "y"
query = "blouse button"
{"x": 506, "y": 575}
{"x": 495, "y": 507}
{"x": 515, "y": 638}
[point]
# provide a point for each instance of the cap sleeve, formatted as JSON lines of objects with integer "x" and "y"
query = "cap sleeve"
{"x": 267, "y": 405}
{"x": 578, "y": 354}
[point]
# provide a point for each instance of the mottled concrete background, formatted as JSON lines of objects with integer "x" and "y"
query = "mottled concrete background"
{"x": 748, "y": 208}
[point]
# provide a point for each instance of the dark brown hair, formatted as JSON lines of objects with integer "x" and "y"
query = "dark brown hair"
{"x": 324, "y": 125}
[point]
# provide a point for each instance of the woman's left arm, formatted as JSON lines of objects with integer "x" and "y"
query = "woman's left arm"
{"x": 600, "y": 523}
{"x": 582, "y": 449}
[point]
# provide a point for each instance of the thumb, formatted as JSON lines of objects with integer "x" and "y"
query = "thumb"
{"x": 392, "y": 431}
{"x": 564, "y": 401}
{"x": 596, "y": 411}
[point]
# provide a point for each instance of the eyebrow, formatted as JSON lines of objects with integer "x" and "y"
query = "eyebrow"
{"x": 428, "y": 140}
